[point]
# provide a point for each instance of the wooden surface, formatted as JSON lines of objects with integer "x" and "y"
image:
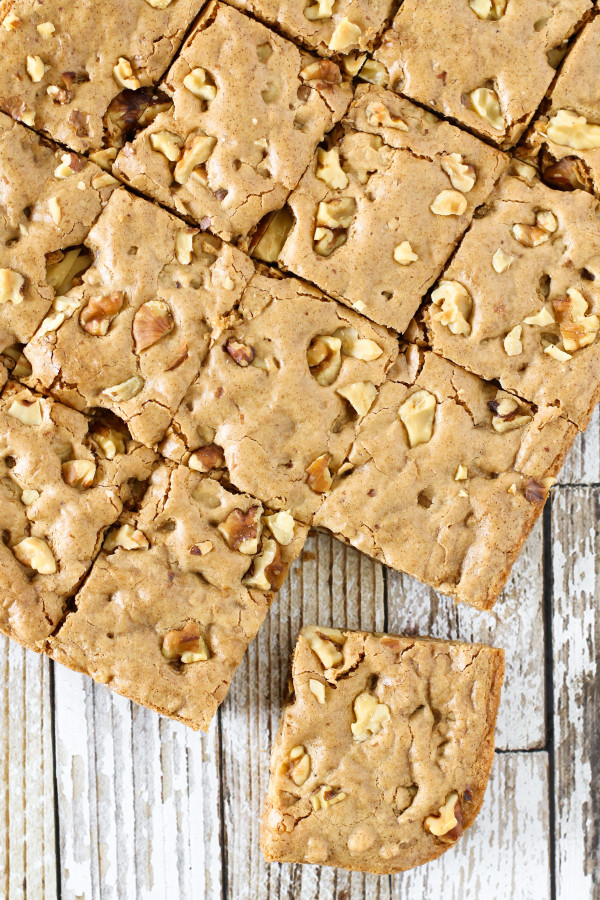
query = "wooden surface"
{"x": 102, "y": 799}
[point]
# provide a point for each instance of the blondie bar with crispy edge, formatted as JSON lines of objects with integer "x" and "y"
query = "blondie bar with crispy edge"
{"x": 178, "y": 592}
{"x": 382, "y": 206}
{"x": 73, "y": 69}
{"x": 384, "y": 750}
{"x": 63, "y": 481}
{"x": 248, "y": 110}
{"x": 484, "y": 63}
{"x": 133, "y": 336}
{"x": 446, "y": 477}
{"x": 282, "y": 392}
{"x": 520, "y": 301}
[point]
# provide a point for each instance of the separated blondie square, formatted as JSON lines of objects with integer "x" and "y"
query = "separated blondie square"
{"x": 132, "y": 337}
{"x": 49, "y": 200}
{"x": 484, "y": 63}
{"x": 64, "y": 479}
{"x": 520, "y": 301}
{"x": 446, "y": 477}
{"x": 71, "y": 69}
{"x": 384, "y": 751}
{"x": 565, "y": 138}
{"x": 247, "y": 110}
{"x": 382, "y": 206}
{"x": 281, "y": 393}
{"x": 178, "y": 592}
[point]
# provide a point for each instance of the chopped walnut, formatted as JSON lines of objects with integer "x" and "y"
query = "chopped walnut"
{"x": 329, "y": 170}
{"x": 318, "y": 477}
{"x": 299, "y": 765}
{"x": 110, "y": 441}
{"x": 360, "y": 395}
{"x": 544, "y": 317}
{"x": 186, "y": 644}
{"x": 126, "y": 390}
{"x": 324, "y": 358}
{"x": 242, "y": 354}
{"x": 196, "y": 151}
{"x": 371, "y": 716}
{"x": 455, "y": 305}
{"x": 268, "y": 569}
{"x": 346, "y": 36}
{"x": 36, "y": 554}
{"x": 158, "y": 4}
{"x": 501, "y": 261}
{"x": 325, "y": 642}
{"x": 35, "y": 68}
{"x": 241, "y": 530}
{"x": 67, "y": 167}
{"x": 364, "y": 154}
{"x": 207, "y": 458}
{"x": 202, "y": 548}
{"x": 536, "y": 490}
{"x": 556, "y": 353}
{"x": 11, "y": 22}
{"x": 488, "y": 9}
{"x": 570, "y": 130}
{"x": 417, "y": 414}
{"x": 461, "y": 473}
{"x": 28, "y": 412}
{"x": 404, "y": 254}
{"x": 485, "y": 102}
{"x": 317, "y": 689}
{"x": 269, "y": 239}
{"x": 127, "y": 537}
{"x": 11, "y": 287}
{"x": 29, "y": 496}
{"x": 462, "y": 175}
{"x": 447, "y": 825}
{"x": 546, "y": 224}
{"x": 123, "y": 75}
{"x": 199, "y": 83}
{"x": 337, "y": 213}
{"x": 357, "y": 347}
{"x": 281, "y": 526}
{"x": 449, "y": 203}
{"x": 577, "y": 328}
{"x": 184, "y": 246}
{"x": 506, "y": 415}
{"x": 152, "y": 322}
{"x": 375, "y": 73}
{"x": 326, "y": 796}
{"x": 322, "y": 70}
{"x": 379, "y": 115}
{"x": 104, "y": 158}
{"x": 96, "y": 317}
{"x": 79, "y": 472}
{"x": 512, "y": 341}
{"x": 322, "y": 9}
{"x": 45, "y": 29}
{"x": 167, "y": 143}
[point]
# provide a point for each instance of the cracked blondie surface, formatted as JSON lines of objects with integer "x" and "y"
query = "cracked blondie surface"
{"x": 384, "y": 751}
{"x": 484, "y": 63}
{"x": 64, "y": 479}
{"x": 67, "y": 68}
{"x": 520, "y": 301}
{"x": 247, "y": 111}
{"x": 179, "y": 590}
{"x": 457, "y": 467}
{"x": 395, "y": 185}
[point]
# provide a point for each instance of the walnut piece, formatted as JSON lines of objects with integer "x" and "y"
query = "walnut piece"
{"x": 207, "y": 458}
{"x": 337, "y": 213}
{"x": 186, "y": 644}
{"x": 322, "y": 9}
{"x": 404, "y": 254}
{"x": 110, "y": 441}
{"x": 268, "y": 570}
{"x": 127, "y": 537}
{"x": 269, "y": 238}
{"x": 167, "y": 143}
{"x": 96, "y": 317}
{"x": 123, "y": 75}
{"x": 455, "y": 307}
{"x": 462, "y": 175}
{"x": 371, "y": 716}
{"x": 329, "y": 169}
{"x": 29, "y": 496}
{"x": 324, "y": 358}
{"x": 501, "y": 261}
{"x": 11, "y": 287}
{"x": 322, "y": 70}
{"x": 346, "y": 36}
{"x": 184, "y": 246}
{"x": 557, "y": 353}
{"x": 357, "y": 347}
{"x": 447, "y": 825}
{"x": 241, "y": 530}
{"x": 461, "y": 473}
{"x": 281, "y": 526}
{"x": 506, "y": 415}
{"x": 417, "y": 414}
{"x": 570, "y": 130}
{"x": 28, "y": 412}
{"x": 317, "y": 689}
{"x": 488, "y": 9}
{"x": 79, "y": 472}
{"x": 379, "y": 115}
{"x": 299, "y": 765}
{"x": 449, "y": 203}
{"x": 325, "y": 643}
{"x": 577, "y": 328}
{"x": 544, "y": 317}
{"x": 546, "y": 224}
{"x": 242, "y": 354}
{"x": 202, "y": 548}
{"x": 361, "y": 396}
{"x": 36, "y": 554}
{"x": 35, "y": 68}
{"x": 196, "y": 151}
{"x": 485, "y": 102}
{"x": 318, "y": 477}
{"x": 375, "y": 72}
{"x": 152, "y": 322}
{"x": 199, "y": 83}
{"x": 326, "y": 796}
{"x": 512, "y": 341}
{"x": 126, "y": 390}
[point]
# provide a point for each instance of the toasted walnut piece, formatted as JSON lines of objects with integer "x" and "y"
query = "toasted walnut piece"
{"x": 327, "y": 240}
{"x": 54, "y": 209}
{"x": 199, "y": 83}
{"x": 360, "y": 395}
{"x": 104, "y": 158}
{"x": 186, "y": 644}
{"x": 104, "y": 180}
{"x": 379, "y": 115}
{"x": 447, "y": 825}
{"x": 281, "y": 526}
{"x": 67, "y": 167}
{"x": 269, "y": 239}
{"x": 522, "y": 170}
{"x": 544, "y": 317}
{"x": 329, "y": 170}
{"x": 28, "y": 118}
{"x": 536, "y": 490}
{"x": 371, "y": 716}
{"x": 36, "y": 554}
{"x": 79, "y": 472}
{"x": 45, "y": 29}
{"x": 126, "y": 390}
{"x": 556, "y": 353}
{"x": 11, "y": 287}
{"x": 326, "y": 796}
{"x": 123, "y": 75}
{"x": 28, "y": 412}
{"x": 96, "y": 317}
{"x": 506, "y": 413}
{"x": 268, "y": 570}
{"x": 488, "y": 9}
{"x": 299, "y": 765}
{"x": 346, "y": 36}
{"x": 63, "y": 272}
{"x": 127, "y": 537}
{"x": 501, "y": 261}
{"x": 322, "y": 9}
{"x": 59, "y": 95}
{"x": 196, "y": 151}
{"x": 325, "y": 642}
{"x": 29, "y": 496}
{"x": 241, "y": 353}
{"x": 417, "y": 414}
{"x": 62, "y": 308}
{"x": 207, "y": 458}
{"x": 449, "y": 203}
{"x": 462, "y": 175}
{"x": 318, "y": 477}
{"x": 337, "y": 213}
{"x": 322, "y": 70}
{"x": 167, "y": 143}
{"x": 546, "y": 220}
{"x": 152, "y": 322}
{"x": 567, "y": 174}
{"x": 353, "y": 62}
{"x": 35, "y": 68}
{"x": 461, "y": 473}
{"x": 577, "y": 328}
{"x": 110, "y": 441}
{"x": 202, "y": 548}
{"x": 484, "y": 101}
{"x": 512, "y": 341}
{"x": 357, "y": 347}
{"x": 324, "y": 358}
{"x": 570, "y": 130}
{"x": 241, "y": 530}
{"x": 404, "y": 254}
{"x": 455, "y": 305}
{"x": 184, "y": 246}
{"x": 375, "y": 73}
{"x": 11, "y": 22}
{"x": 546, "y": 224}
{"x": 317, "y": 689}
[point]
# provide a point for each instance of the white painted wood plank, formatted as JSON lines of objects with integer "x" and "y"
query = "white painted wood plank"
{"x": 576, "y": 642}
{"x": 333, "y": 585}
{"x": 582, "y": 465}
{"x": 138, "y": 799}
{"x": 515, "y": 624}
{"x": 505, "y": 855}
{"x": 27, "y": 848}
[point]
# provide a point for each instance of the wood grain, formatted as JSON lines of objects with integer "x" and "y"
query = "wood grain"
{"x": 576, "y": 650}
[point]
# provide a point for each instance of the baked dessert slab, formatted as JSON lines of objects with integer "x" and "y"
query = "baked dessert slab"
{"x": 446, "y": 477}
{"x": 384, "y": 751}
{"x": 64, "y": 479}
{"x": 179, "y": 590}
{"x": 325, "y": 26}
{"x": 484, "y": 63}
{"x": 135, "y": 333}
{"x": 248, "y": 110}
{"x": 49, "y": 200}
{"x": 520, "y": 301}
{"x": 395, "y": 185}
{"x": 281, "y": 392}
{"x": 565, "y": 137}
{"x": 67, "y": 67}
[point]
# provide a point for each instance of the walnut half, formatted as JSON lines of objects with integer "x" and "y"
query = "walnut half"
{"x": 447, "y": 826}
